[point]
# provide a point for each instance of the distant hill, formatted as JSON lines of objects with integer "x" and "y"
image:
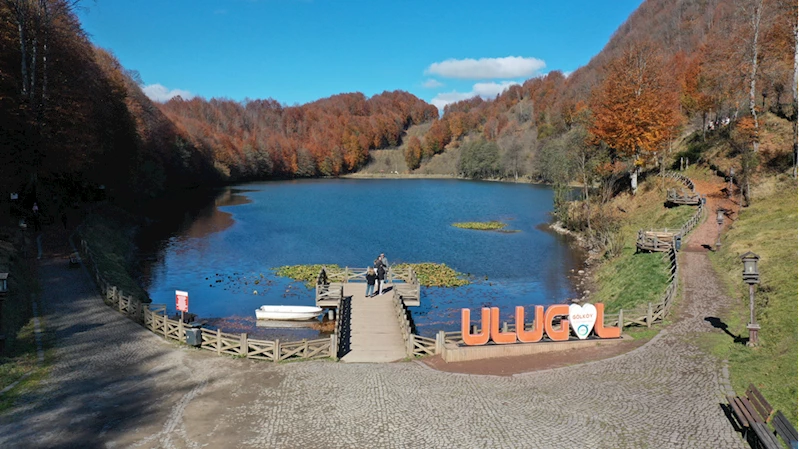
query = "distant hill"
{"x": 706, "y": 52}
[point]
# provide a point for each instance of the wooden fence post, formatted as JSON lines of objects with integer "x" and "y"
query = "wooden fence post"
{"x": 333, "y": 346}
{"x": 243, "y": 346}
{"x": 181, "y": 337}
{"x": 277, "y": 351}
{"x": 166, "y": 320}
{"x": 304, "y": 347}
{"x": 218, "y": 342}
{"x": 440, "y": 342}
{"x": 649, "y": 314}
{"x": 621, "y": 319}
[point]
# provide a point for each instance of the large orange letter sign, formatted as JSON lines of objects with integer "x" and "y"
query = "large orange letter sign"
{"x": 599, "y": 327}
{"x": 475, "y": 339}
{"x": 500, "y": 337}
{"x": 538, "y": 325}
{"x": 552, "y": 312}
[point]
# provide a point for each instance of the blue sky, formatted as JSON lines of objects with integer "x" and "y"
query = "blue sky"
{"x": 299, "y": 51}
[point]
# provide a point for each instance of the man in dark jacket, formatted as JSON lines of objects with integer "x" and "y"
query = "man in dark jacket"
{"x": 381, "y": 275}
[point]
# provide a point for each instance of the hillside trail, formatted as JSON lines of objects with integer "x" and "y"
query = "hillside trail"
{"x": 703, "y": 238}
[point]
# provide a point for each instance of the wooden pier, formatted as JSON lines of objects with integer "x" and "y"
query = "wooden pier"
{"x": 375, "y": 332}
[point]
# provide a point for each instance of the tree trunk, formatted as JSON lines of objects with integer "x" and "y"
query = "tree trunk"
{"x": 634, "y": 176}
{"x": 750, "y": 167}
{"x": 32, "y": 92}
{"x": 45, "y": 54}
{"x": 795, "y": 101}
{"x": 22, "y": 49}
{"x": 585, "y": 199}
{"x": 753, "y": 74}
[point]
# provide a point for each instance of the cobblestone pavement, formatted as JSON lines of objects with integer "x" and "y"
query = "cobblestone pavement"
{"x": 115, "y": 384}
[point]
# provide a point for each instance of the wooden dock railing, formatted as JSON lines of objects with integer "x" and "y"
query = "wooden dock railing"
{"x": 154, "y": 317}
{"x": 343, "y": 329}
{"x": 330, "y": 284}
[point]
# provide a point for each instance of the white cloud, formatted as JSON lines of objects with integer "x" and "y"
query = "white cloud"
{"x": 491, "y": 90}
{"x": 161, "y": 94}
{"x": 486, "y": 90}
{"x": 432, "y": 83}
{"x": 486, "y": 68}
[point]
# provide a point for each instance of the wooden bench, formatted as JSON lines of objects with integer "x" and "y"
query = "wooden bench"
{"x": 785, "y": 429}
{"x": 753, "y": 412}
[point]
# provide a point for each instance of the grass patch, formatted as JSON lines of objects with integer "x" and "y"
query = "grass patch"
{"x": 631, "y": 280}
{"x": 19, "y": 357}
{"x": 20, "y": 360}
{"x": 109, "y": 234}
{"x": 769, "y": 229}
{"x": 481, "y": 225}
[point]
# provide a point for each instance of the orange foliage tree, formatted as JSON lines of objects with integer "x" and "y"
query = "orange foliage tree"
{"x": 634, "y": 108}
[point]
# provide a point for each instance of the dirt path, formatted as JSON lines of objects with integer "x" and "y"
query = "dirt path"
{"x": 704, "y": 237}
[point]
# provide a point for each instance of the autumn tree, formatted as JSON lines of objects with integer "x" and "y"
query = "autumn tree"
{"x": 413, "y": 153}
{"x": 634, "y": 108}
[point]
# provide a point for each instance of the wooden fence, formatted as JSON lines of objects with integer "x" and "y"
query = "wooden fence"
{"x": 154, "y": 317}
{"x": 683, "y": 197}
{"x": 681, "y": 178}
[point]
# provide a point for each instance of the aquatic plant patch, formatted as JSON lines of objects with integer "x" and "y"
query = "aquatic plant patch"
{"x": 305, "y": 273}
{"x": 481, "y": 225}
{"x": 434, "y": 274}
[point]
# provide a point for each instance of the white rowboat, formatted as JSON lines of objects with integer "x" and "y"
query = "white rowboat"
{"x": 287, "y": 313}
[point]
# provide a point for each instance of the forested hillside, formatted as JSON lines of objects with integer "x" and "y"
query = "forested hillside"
{"x": 70, "y": 114}
{"x": 261, "y": 138}
{"x": 674, "y": 66}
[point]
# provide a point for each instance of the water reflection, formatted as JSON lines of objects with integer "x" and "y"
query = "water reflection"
{"x": 222, "y": 247}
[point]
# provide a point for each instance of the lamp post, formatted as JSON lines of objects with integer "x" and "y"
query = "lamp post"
{"x": 720, "y": 221}
{"x": 3, "y": 294}
{"x": 751, "y": 276}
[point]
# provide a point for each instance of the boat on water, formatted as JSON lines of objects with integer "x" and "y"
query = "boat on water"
{"x": 287, "y": 313}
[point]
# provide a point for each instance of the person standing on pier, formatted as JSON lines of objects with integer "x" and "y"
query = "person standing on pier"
{"x": 371, "y": 277}
{"x": 381, "y": 276}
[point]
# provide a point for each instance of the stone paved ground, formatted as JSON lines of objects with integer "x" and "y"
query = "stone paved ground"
{"x": 116, "y": 385}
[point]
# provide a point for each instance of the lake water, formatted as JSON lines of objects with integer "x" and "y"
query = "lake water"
{"x": 223, "y": 249}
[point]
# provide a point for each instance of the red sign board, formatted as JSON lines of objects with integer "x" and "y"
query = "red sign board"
{"x": 181, "y": 301}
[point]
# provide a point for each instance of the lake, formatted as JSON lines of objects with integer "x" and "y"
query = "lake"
{"x": 223, "y": 248}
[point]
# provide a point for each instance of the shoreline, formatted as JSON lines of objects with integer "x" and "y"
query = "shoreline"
{"x": 582, "y": 279}
{"x": 359, "y": 175}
